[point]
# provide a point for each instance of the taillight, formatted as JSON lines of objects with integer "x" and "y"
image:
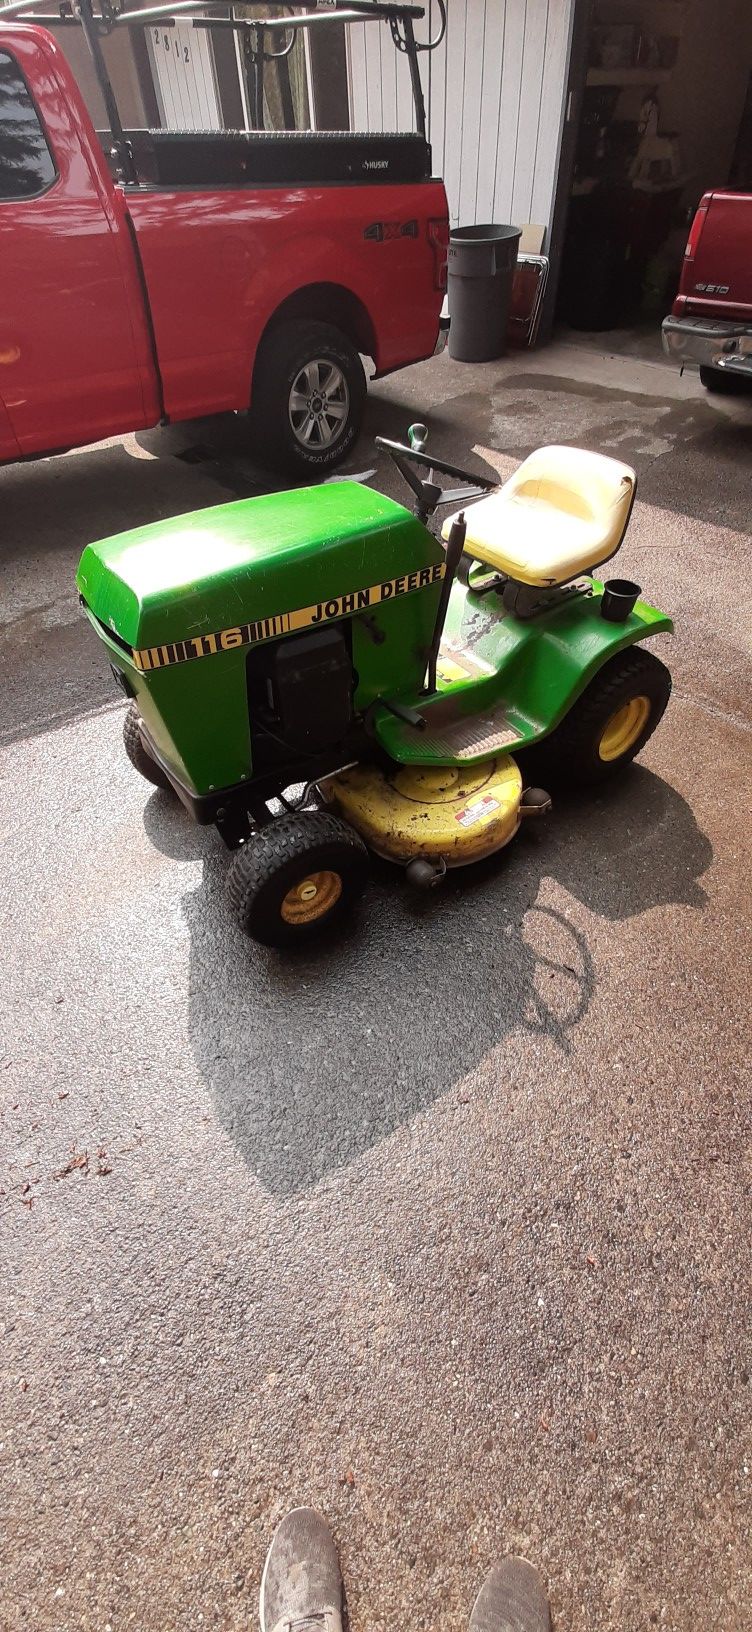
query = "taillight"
{"x": 438, "y": 238}
{"x": 695, "y": 231}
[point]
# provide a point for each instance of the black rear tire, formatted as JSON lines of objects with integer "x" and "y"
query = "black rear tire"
{"x": 137, "y": 751}
{"x": 295, "y": 877}
{"x": 572, "y": 755}
{"x": 723, "y": 384}
{"x": 285, "y": 357}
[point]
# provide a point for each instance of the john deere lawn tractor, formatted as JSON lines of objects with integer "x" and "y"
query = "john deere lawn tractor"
{"x": 320, "y": 676}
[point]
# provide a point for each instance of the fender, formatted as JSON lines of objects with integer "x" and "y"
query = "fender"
{"x": 360, "y": 273}
{"x": 545, "y": 663}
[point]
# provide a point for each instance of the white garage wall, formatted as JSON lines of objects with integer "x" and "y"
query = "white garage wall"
{"x": 494, "y": 99}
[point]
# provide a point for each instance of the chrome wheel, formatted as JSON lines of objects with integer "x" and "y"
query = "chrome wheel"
{"x": 319, "y": 404}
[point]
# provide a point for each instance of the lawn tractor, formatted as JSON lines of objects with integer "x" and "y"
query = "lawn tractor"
{"x": 320, "y": 676}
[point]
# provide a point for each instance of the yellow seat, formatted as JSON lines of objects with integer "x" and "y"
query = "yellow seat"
{"x": 563, "y": 512}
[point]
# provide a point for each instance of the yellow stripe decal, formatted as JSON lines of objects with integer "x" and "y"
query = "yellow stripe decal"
{"x": 285, "y": 623}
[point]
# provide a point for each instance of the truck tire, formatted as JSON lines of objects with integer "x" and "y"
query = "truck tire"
{"x": 719, "y": 381}
{"x": 309, "y": 392}
{"x": 138, "y": 753}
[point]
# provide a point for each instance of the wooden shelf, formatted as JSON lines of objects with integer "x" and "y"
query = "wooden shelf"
{"x": 628, "y": 76}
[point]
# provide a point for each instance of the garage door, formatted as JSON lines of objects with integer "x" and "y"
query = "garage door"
{"x": 184, "y": 78}
{"x": 494, "y": 93}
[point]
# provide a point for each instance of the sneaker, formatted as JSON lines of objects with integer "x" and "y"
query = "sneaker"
{"x": 301, "y": 1588}
{"x": 512, "y": 1599}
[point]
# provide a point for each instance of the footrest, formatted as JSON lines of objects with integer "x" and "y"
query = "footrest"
{"x": 449, "y": 735}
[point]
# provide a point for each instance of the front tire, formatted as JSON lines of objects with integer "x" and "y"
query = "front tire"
{"x": 309, "y": 394}
{"x": 296, "y": 876}
{"x": 137, "y": 751}
{"x": 607, "y": 726}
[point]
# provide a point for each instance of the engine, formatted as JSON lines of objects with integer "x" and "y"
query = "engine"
{"x": 300, "y": 695}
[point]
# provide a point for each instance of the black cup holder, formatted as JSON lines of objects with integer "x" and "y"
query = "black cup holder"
{"x": 619, "y": 596}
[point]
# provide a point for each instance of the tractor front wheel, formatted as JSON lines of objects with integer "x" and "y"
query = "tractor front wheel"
{"x": 607, "y": 726}
{"x": 295, "y": 876}
{"x": 137, "y": 751}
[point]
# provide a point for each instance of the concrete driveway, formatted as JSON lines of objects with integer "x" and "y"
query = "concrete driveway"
{"x": 443, "y": 1228}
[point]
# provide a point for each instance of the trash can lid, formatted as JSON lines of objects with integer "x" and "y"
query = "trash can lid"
{"x": 491, "y": 233}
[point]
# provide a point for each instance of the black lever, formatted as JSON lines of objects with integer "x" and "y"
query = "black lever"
{"x": 377, "y": 635}
{"x": 402, "y": 712}
{"x": 455, "y": 546}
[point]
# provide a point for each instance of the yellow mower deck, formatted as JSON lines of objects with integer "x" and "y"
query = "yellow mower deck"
{"x": 455, "y": 813}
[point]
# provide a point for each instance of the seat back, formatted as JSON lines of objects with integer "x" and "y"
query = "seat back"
{"x": 562, "y": 513}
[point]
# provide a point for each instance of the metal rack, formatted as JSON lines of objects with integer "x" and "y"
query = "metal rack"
{"x": 260, "y": 37}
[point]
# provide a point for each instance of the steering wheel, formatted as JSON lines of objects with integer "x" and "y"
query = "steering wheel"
{"x": 427, "y": 491}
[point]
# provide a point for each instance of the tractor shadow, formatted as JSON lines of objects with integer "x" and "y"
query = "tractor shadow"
{"x": 311, "y": 1059}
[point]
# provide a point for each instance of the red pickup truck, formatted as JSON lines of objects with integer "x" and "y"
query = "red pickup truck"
{"x": 233, "y": 270}
{"x": 710, "y": 325}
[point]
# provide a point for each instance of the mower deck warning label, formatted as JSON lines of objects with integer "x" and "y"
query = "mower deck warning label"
{"x": 284, "y": 623}
{"x": 474, "y": 812}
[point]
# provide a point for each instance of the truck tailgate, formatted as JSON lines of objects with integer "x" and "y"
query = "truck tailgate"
{"x": 717, "y": 280}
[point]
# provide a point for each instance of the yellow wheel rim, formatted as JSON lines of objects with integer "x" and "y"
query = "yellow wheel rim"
{"x": 312, "y": 898}
{"x": 620, "y": 733}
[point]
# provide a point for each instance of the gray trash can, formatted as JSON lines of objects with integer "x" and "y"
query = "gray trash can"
{"x": 481, "y": 268}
